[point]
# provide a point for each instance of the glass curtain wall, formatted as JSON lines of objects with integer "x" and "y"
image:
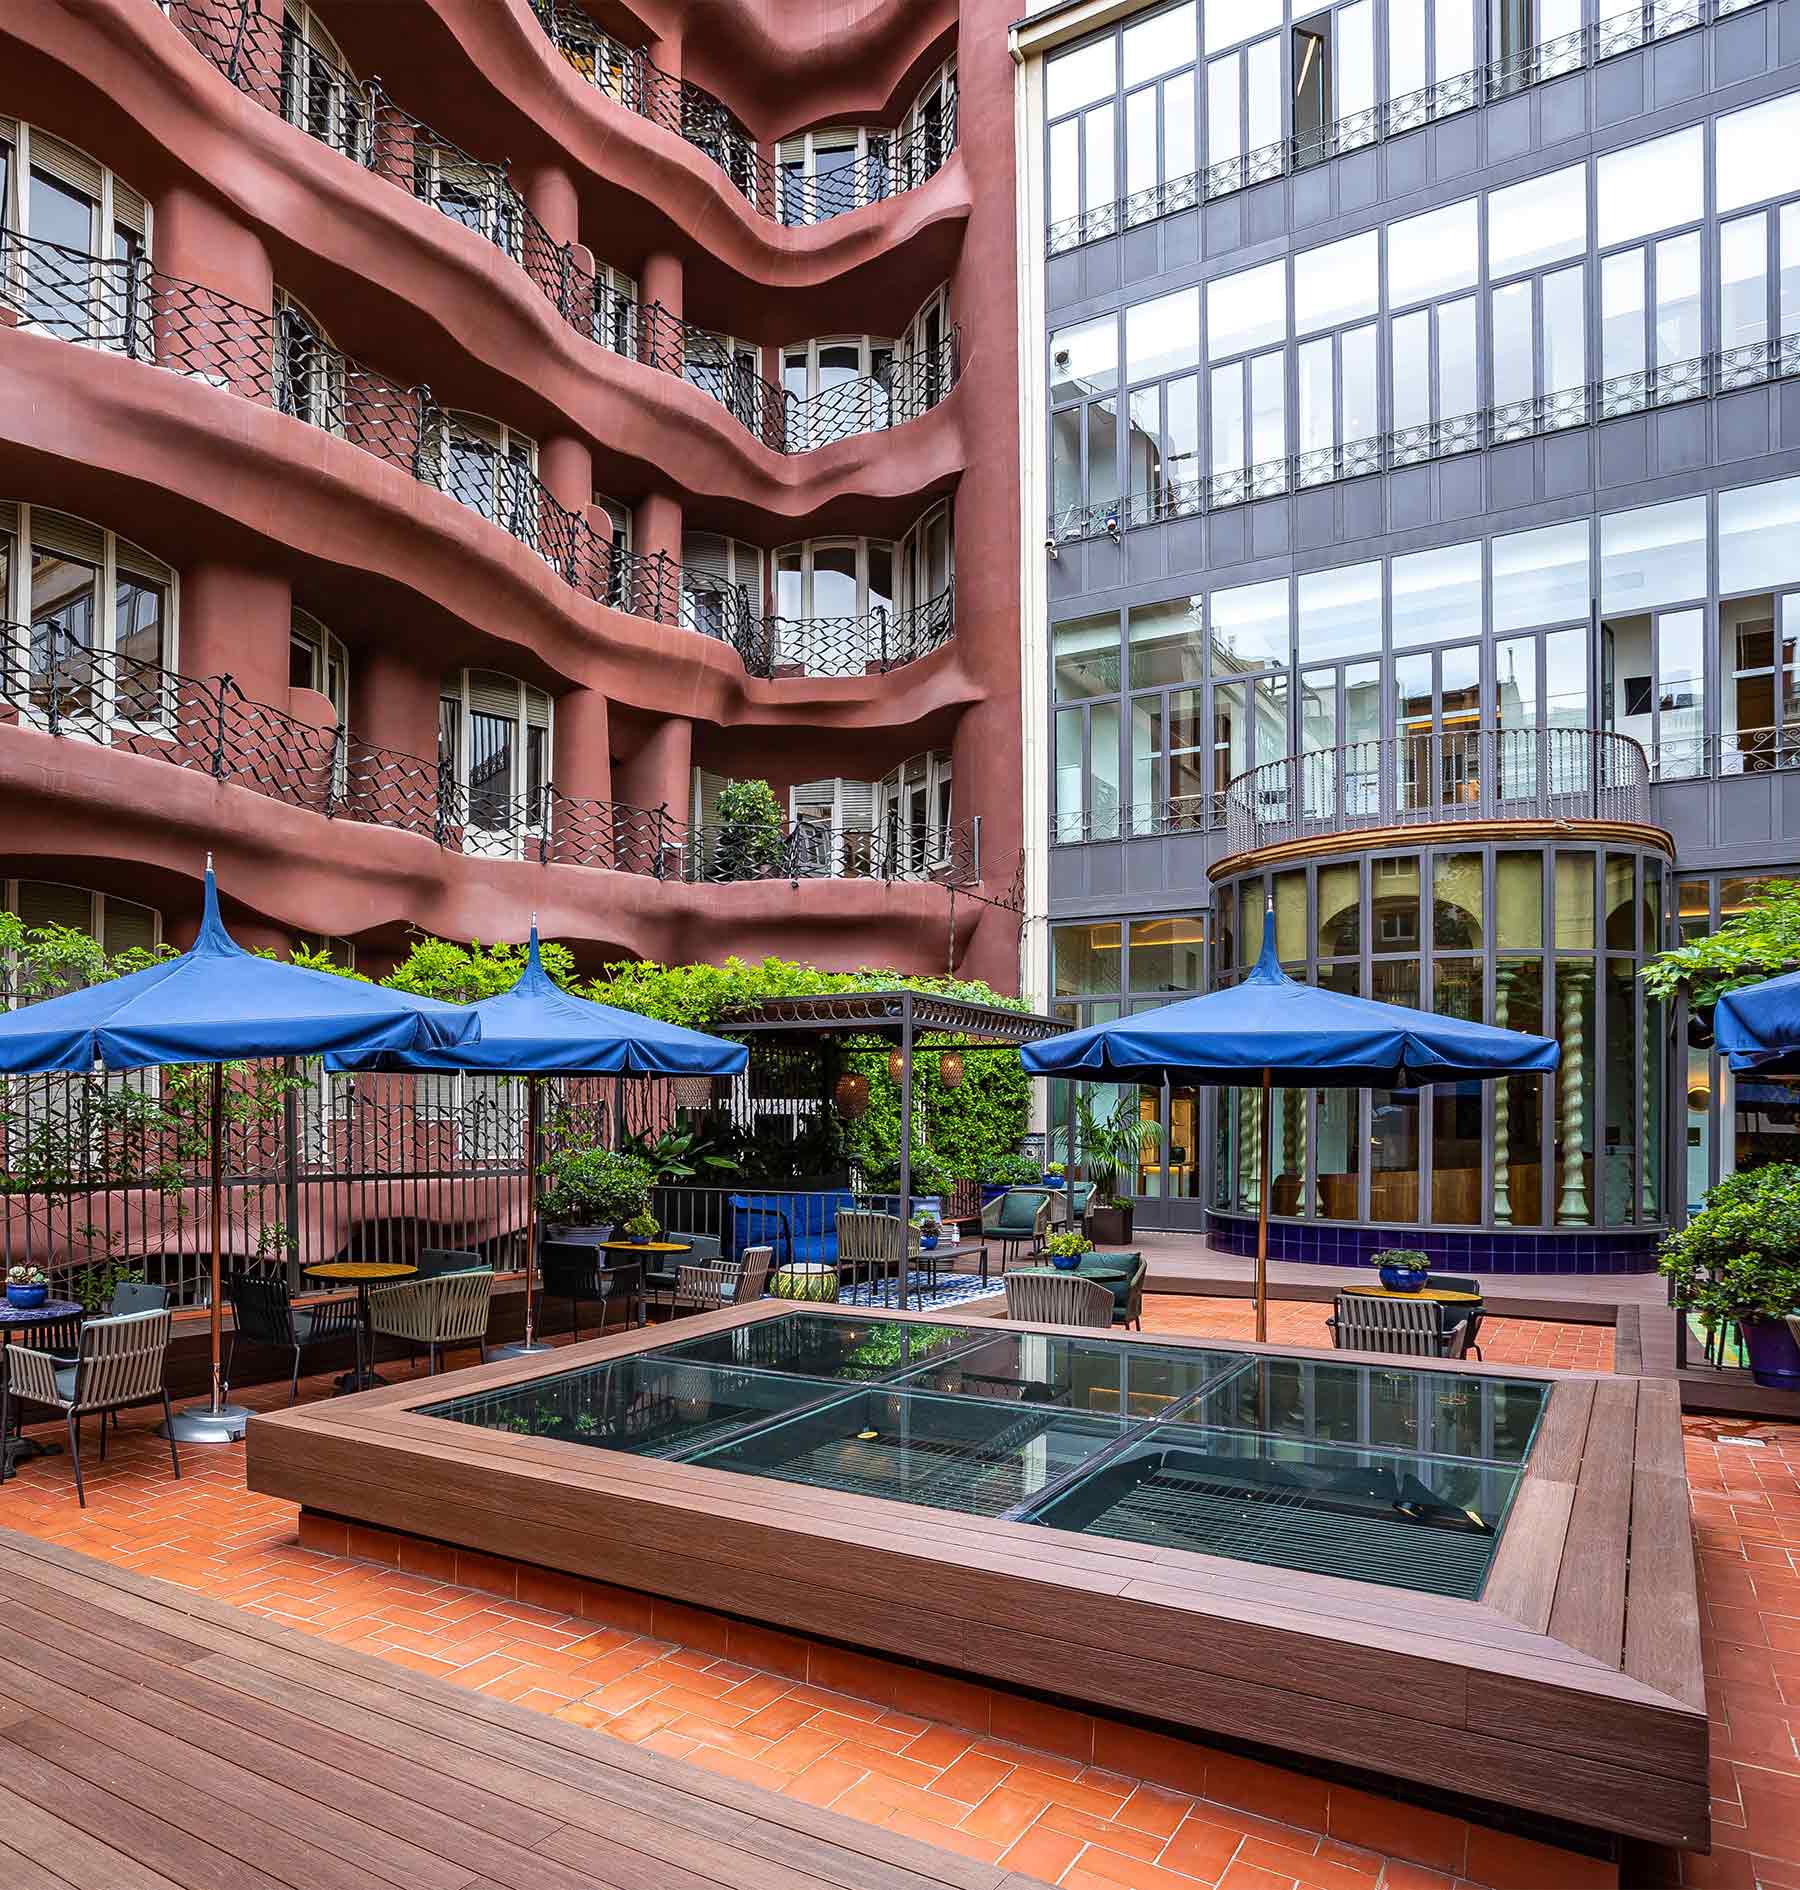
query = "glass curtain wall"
{"x": 1100, "y": 972}
{"x": 1546, "y": 941}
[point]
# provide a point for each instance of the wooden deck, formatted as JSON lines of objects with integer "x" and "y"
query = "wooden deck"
{"x": 152, "y": 1739}
{"x": 1561, "y": 1692}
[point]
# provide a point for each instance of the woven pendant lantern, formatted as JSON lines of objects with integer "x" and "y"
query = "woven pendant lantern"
{"x": 950, "y": 1069}
{"x": 896, "y": 1064}
{"x": 851, "y": 1094}
{"x": 693, "y": 1092}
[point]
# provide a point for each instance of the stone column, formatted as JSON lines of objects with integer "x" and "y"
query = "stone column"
{"x": 660, "y": 291}
{"x": 656, "y": 540}
{"x": 206, "y": 262}
{"x": 581, "y": 770}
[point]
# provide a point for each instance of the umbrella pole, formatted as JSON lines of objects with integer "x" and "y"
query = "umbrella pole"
{"x": 1262, "y": 1226}
{"x": 214, "y": 1422}
{"x": 531, "y": 1342}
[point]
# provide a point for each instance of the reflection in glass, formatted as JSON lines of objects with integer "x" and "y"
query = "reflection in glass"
{"x": 1517, "y": 1135}
{"x": 1456, "y": 1108}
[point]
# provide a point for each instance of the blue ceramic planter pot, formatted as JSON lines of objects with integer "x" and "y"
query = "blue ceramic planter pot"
{"x": 1068, "y": 1262}
{"x": 927, "y": 1242}
{"x": 1403, "y": 1279}
{"x": 26, "y": 1297}
{"x": 1774, "y": 1355}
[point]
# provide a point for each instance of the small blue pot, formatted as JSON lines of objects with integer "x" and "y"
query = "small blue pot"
{"x": 26, "y": 1297}
{"x": 927, "y": 1242}
{"x": 1068, "y": 1262}
{"x": 1403, "y": 1279}
{"x": 1053, "y": 1181}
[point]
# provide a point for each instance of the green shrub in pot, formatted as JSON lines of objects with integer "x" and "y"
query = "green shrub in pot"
{"x": 1739, "y": 1259}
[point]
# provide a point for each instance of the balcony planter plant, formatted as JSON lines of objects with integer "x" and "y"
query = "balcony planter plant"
{"x": 1009, "y": 1172}
{"x": 1066, "y": 1250}
{"x": 1403, "y": 1269}
{"x": 593, "y": 1190}
{"x": 27, "y": 1287}
{"x": 1738, "y": 1260}
{"x": 1053, "y": 1175}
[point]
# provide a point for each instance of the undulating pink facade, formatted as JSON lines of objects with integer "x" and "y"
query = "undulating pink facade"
{"x": 475, "y": 431}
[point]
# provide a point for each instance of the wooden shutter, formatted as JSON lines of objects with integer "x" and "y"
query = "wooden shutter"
{"x": 492, "y": 694}
{"x": 67, "y": 537}
{"x": 66, "y": 164}
{"x": 45, "y": 902}
{"x": 127, "y": 927}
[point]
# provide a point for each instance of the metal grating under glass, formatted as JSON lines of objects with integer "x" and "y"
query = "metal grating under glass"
{"x": 1373, "y": 1473}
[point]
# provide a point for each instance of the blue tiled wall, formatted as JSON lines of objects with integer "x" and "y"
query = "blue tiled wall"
{"x": 1480, "y": 1250}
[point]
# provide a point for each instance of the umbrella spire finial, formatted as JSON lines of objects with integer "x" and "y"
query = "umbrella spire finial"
{"x": 1268, "y": 964}
{"x": 212, "y": 934}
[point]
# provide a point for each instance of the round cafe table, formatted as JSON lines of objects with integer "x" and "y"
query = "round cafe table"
{"x": 362, "y": 1274}
{"x": 22, "y": 1319}
{"x": 662, "y": 1280}
{"x": 1450, "y": 1296}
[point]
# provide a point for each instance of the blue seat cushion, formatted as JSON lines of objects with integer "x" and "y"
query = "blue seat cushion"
{"x": 800, "y": 1227}
{"x": 65, "y": 1381}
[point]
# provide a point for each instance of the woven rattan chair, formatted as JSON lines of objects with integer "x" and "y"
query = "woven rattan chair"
{"x": 1414, "y": 1327}
{"x": 263, "y": 1311}
{"x": 449, "y": 1309}
{"x": 119, "y": 1365}
{"x": 1058, "y": 1299}
{"x": 706, "y": 1289}
{"x": 870, "y": 1244}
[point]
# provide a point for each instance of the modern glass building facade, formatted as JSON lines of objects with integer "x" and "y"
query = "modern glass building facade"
{"x": 1413, "y": 402}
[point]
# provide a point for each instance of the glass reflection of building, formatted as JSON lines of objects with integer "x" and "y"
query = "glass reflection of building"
{"x": 1426, "y": 574}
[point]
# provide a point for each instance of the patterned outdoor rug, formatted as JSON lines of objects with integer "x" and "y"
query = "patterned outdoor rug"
{"x": 921, "y": 1296}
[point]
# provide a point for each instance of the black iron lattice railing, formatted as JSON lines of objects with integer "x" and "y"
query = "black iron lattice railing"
{"x": 272, "y": 63}
{"x": 894, "y": 162}
{"x": 866, "y": 645}
{"x": 1669, "y": 384}
{"x": 55, "y": 680}
{"x": 1625, "y": 30}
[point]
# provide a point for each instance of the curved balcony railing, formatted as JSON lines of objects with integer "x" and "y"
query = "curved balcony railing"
{"x": 1438, "y": 777}
{"x": 362, "y": 123}
{"x": 893, "y": 163}
{"x": 1637, "y": 25}
{"x": 1669, "y": 384}
{"x": 279, "y": 361}
{"x": 51, "y": 680}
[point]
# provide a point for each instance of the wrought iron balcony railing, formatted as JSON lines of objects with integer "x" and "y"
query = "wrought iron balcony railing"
{"x": 894, "y": 162}
{"x": 1639, "y": 24}
{"x": 51, "y": 680}
{"x": 1670, "y": 384}
{"x": 272, "y": 64}
{"x": 1438, "y": 777}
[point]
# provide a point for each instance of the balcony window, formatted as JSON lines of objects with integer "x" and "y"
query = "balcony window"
{"x": 88, "y": 622}
{"x": 837, "y": 388}
{"x": 912, "y": 814}
{"x": 1431, "y": 61}
{"x": 1758, "y": 154}
{"x": 825, "y": 173}
{"x": 486, "y": 466}
{"x": 115, "y": 925}
{"x": 319, "y": 92}
{"x": 721, "y": 586}
{"x": 494, "y": 758}
{"x": 74, "y": 243}
{"x": 317, "y": 660}
{"x": 309, "y": 376}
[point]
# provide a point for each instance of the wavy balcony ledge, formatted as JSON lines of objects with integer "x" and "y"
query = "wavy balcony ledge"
{"x": 1647, "y": 390}
{"x": 197, "y": 467}
{"x": 146, "y": 315}
{"x": 136, "y": 824}
{"x": 627, "y": 75}
{"x": 364, "y": 124}
{"x": 1623, "y": 31}
{"x": 50, "y": 680}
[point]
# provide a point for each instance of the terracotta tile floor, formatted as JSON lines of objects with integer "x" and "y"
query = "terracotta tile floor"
{"x": 995, "y": 1800}
{"x": 1302, "y": 1322}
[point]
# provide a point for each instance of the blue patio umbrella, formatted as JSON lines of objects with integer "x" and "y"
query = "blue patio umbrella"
{"x": 536, "y": 1029}
{"x": 1759, "y": 1026}
{"x": 1280, "y": 1034}
{"x": 219, "y": 1004}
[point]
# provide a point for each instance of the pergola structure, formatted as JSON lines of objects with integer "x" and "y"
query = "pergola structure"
{"x": 867, "y": 1020}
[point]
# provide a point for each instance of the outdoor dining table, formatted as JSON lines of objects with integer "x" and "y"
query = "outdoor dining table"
{"x": 1451, "y": 1296}
{"x": 664, "y": 1279}
{"x": 362, "y": 1274}
{"x": 13, "y": 1319}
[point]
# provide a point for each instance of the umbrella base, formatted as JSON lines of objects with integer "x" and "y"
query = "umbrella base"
{"x": 201, "y": 1424}
{"x": 520, "y": 1350}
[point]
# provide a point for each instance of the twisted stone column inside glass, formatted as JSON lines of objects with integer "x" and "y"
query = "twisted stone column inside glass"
{"x": 1572, "y": 1205}
{"x": 1502, "y": 1109}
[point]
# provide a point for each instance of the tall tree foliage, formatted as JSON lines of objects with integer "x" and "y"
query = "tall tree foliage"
{"x": 1760, "y": 942}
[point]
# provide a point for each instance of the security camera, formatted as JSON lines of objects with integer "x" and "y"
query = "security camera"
{"x": 1112, "y": 526}
{"x": 1050, "y": 547}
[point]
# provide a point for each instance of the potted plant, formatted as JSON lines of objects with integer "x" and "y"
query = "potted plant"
{"x": 1738, "y": 1260}
{"x": 641, "y": 1229}
{"x": 592, "y": 1190}
{"x": 1009, "y": 1171}
{"x": 27, "y": 1287}
{"x": 1053, "y": 1174}
{"x": 1110, "y": 1144}
{"x": 928, "y": 1228}
{"x": 1403, "y": 1269}
{"x": 1065, "y": 1250}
